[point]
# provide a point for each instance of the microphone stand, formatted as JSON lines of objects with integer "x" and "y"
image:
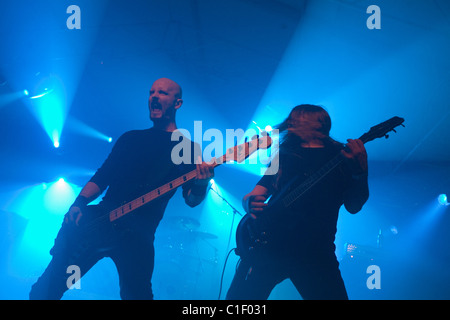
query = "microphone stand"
{"x": 235, "y": 211}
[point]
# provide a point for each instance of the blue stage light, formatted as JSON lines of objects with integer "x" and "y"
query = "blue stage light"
{"x": 49, "y": 106}
{"x": 443, "y": 200}
{"x": 58, "y": 196}
{"x": 215, "y": 190}
{"x": 42, "y": 94}
{"x": 9, "y": 97}
{"x": 84, "y": 129}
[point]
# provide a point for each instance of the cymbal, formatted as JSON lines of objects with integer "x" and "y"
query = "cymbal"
{"x": 183, "y": 223}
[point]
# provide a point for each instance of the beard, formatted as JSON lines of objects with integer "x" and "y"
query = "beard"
{"x": 159, "y": 114}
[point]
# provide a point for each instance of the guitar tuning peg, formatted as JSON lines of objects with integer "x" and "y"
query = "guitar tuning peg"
{"x": 403, "y": 125}
{"x": 386, "y": 136}
{"x": 394, "y": 130}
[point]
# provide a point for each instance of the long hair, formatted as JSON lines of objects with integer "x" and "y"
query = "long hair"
{"x": 289, "y": 141}
{"x": 317, "y": 112}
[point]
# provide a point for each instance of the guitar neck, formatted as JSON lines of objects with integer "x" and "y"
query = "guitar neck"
{"x": 236, "y": 153}
{"x": 156, "y": 193}
{"x": 292, "y": 196}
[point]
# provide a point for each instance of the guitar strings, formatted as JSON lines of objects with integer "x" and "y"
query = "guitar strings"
{"x": 92, "y": 225}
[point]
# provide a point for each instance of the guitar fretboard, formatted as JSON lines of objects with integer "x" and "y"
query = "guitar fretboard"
{"x": 237, "y": 153}
{"x": 312, "y": 180}
{"x": 152, "y": 195}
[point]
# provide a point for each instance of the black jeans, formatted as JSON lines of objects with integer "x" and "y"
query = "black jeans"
{"x": 315, "y": 279}
{"x": 132, "y": 253}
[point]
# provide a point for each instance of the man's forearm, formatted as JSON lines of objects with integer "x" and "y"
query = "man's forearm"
{"x": 90, "y": 191}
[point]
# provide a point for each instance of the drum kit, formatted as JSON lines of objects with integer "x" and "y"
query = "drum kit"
{"x": 188, "y": 226}
{"x": 181, "y": 234}
{"x": 185, "y": 254}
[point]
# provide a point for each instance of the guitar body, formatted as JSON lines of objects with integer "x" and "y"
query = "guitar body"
{"x": 256, "y": 238}
{"x": 250, "y": 237}
{"x": 95, "y": 233}
{"x": 104, "y": 226}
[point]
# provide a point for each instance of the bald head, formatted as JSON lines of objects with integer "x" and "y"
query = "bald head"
{"x": 164, "y": 100}
{"x": 171, "y": 86}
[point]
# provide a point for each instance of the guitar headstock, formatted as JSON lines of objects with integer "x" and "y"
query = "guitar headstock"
{"x": 241, "y": 152}
{"x": 264, "y": 142}
{"x": 382, "y": 129}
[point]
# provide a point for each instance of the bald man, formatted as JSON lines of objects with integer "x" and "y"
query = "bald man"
{"x": 139, "y": 162}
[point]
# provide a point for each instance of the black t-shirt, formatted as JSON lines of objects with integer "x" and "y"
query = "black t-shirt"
{"x": 140, "y": 162}
{"x": 309, "y": 225}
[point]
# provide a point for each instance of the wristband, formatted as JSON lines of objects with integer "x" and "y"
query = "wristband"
{"x": 80, "y": 202}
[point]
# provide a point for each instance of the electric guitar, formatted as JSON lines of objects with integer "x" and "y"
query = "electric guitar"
{"x": 99, "y": 229}
{"x": 255, "y": 236}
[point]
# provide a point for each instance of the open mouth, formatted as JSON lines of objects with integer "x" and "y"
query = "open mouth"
{"x": 156, "y": 106}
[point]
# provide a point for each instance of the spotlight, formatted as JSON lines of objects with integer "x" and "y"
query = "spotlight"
{"x": 268, "y": 128}
{"x": 48, "y": 104}
{"x": 41, "y": 94}
{"x": 442, "y": 199}
{"x": 25, "y": 92}
{"x": 393, "y": 230}
{"x": 212, "y": 186}
{"x": 84, "y": 129}
{"x": 59, "y": 195}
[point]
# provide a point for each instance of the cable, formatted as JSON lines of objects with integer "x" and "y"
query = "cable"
{"x": 223, "y": 271}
